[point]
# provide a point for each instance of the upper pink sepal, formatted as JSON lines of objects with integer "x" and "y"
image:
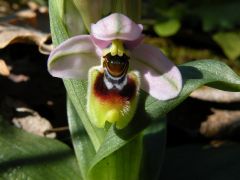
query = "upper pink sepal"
{"x": 116, "y": 26}
{"x": 160, "y": 77}
{"x": 73, "y": 58}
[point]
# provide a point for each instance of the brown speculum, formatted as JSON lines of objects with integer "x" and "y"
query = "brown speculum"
{"x": 116, "y": 66}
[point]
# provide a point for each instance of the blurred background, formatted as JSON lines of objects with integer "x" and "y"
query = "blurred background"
{"x": 203, "y": 132}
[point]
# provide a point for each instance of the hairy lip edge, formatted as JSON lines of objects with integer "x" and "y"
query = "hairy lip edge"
{"x": 102, "y": 92}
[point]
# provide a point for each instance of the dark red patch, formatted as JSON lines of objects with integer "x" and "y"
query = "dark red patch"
{"x": 102, "y": 92}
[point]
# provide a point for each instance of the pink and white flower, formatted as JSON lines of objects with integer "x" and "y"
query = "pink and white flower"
{"x": 116, "y": 36}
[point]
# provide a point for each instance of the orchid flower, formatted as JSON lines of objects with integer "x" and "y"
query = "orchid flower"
{"x": 117, "y": 64}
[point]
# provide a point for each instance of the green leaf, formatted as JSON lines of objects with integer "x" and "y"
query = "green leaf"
{"x": 167, "y": 28}
{"x": 58, "y": 29}
{"x": 154, "y": 149}
{"x": 27, "y": 156}
{"x": 70, "y": 14}
{"x": 124, "y": 163}
{"x": 229, "y": 42}
{"x": 82, "y": 144}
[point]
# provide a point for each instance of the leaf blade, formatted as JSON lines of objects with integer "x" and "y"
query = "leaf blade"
{"x": 81, "y": 142}
{"x": 27, "y": 156}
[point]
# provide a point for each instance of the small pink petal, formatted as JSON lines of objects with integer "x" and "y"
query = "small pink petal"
{"x": 100, "y": 43}
{"x": 130, "y": 45}
{"x": 160, "y": 77}
{"x": 116, "y": 26}
{"x": 73, "y": 58}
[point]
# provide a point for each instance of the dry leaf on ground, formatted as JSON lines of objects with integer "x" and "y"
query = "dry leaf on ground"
{"x": 7, "y": 7}
{"x": 4, "y": 69}
{"x": 10, "y": 34}
{"x": 26, "y": 26}
{"x": 215, "y": 95}
{"x": 219, "y": 123}
{"x": 33, "y": 123}
{"x": 18, "y": 78}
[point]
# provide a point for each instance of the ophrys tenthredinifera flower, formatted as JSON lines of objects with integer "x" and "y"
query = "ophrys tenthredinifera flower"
{"x": 116, "y": 64}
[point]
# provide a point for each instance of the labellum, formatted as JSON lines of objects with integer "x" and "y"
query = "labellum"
{"x": 113, "y": 91}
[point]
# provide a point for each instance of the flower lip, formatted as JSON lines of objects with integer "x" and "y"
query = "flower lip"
{"x": 116, "y": 26}
{"x": 114, "y": 95}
